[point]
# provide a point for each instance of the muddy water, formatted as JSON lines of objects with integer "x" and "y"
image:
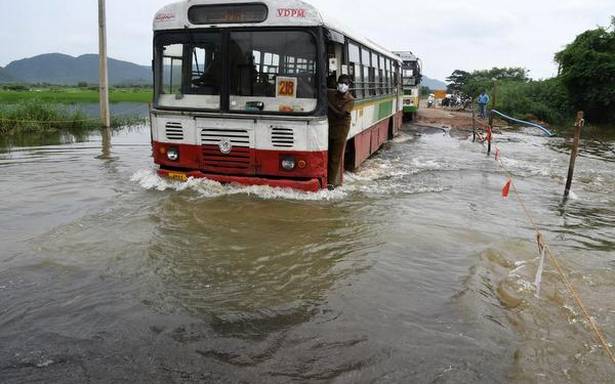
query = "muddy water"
{"x": 416, "y": 271}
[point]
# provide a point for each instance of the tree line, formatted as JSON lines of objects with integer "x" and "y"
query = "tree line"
{"x": 585, "y": 81}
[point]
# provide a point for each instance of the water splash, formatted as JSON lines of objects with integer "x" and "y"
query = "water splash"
{"x": 149, "y": 180}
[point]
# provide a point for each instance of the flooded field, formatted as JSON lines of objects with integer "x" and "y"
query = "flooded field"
{"x": 416, "y": 271}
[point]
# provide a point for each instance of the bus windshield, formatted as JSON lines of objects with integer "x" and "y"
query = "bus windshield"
{"x": 268, "y": 71}
{"x": 189, "y": 70}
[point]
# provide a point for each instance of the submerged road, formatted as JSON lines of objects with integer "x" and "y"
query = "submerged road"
{"x": 415, "y": 271}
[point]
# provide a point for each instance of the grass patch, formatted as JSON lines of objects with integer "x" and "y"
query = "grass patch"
{"x": 74, "y": 95}
{"x": 35, "y": 117}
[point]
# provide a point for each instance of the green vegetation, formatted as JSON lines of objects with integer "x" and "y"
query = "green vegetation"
{"x": 33, "y": 116}
{"x": 543, "y": 101}
{"x": 48, "y": 109}
{"x": 517, "y": 95}
{"x": 586, "y": 82}
{"x": 66, "y": 95}
{"x": 587, "y": 70}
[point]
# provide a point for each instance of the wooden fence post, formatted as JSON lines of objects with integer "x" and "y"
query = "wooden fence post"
{"x": 575, "y": 152}
{"x": 473, "y": 120}
{"x": 489, "y": 132}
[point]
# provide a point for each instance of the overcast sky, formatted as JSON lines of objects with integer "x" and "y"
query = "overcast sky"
{"x": 446, "y": 34}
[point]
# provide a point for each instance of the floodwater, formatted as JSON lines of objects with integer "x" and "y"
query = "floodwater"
{"x": 116, "y": 109}
{"x": 416, "y": 271}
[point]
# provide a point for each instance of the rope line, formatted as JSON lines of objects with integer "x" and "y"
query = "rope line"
{"x": 543, "y": 246}
{"x": 541, "y": 266}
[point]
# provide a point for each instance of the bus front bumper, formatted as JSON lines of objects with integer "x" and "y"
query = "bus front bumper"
{"x": 310, "y": 185}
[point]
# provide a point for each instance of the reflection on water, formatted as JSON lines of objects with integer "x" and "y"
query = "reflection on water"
{"x": 415, "y": 271}
{"x": 106, "y": 135}
{"x": 42, "y": 138}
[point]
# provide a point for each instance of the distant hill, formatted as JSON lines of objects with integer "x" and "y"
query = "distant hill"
{"x": 432, "y": 83}
{"x": 5, "y": 77}
{"x": 60, "y": 69}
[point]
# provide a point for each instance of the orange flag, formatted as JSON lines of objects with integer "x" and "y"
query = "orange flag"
{"x": 506, "y": 189}
{"x": 497, "y": 154}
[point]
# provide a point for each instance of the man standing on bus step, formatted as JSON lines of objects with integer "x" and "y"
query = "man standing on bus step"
{"x": 341, "y": 104}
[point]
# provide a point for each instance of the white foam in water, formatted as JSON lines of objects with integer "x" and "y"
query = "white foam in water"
{"x": 376, "y": 176}
{"x": 396, "y": 188}
{"x": 427, "y": 165}
{"x": 374, "y": 171}
{"x": 148, "y": 179}
{"x": 402, "y": 138}
{"x": 379, "y": 168}
{"x": 389, "y": 176}
{"x": 526, "y": 167}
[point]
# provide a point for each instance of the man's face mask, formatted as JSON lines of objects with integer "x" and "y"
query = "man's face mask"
{"x": 343, "y": 87}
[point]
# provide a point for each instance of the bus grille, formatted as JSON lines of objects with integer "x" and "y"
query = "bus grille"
{"x": 282, "y": 137}
{"x": 239, "y": 158}
{"x": 238, "y": 137}
{"x": 174, "y": 131}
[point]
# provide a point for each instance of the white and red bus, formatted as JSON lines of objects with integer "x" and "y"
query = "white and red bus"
{"x": 241, "y": 92}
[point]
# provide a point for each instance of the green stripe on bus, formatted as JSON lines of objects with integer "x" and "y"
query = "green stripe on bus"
{"x": 385, "y": 109}
{"x": 382, "y": 108}
{"x": 368, "y": 102}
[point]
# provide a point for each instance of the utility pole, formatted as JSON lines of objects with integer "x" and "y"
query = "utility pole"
{"x": 105, "y": 116}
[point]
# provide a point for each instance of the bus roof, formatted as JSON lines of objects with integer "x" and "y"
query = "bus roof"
{"x": 282, "y": 13}
{"x": 406, "y": 55}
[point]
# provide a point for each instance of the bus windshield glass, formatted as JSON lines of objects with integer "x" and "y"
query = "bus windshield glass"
{"x": 272, "y": 71}
{"x": 268, "y": 71}
{"x": 190, "y": 69}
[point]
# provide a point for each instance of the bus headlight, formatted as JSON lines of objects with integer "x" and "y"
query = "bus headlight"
{"x": 288, "y": 163}
{"x": 173, "y": 154}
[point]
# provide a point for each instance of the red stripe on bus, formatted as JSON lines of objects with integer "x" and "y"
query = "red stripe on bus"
{"x": 310, "y": 185}
{"x": 242, "y": 161}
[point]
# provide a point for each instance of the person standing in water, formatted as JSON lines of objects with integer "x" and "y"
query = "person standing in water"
{"x": 483, "y": 100}
{"x": 341, "y": 104}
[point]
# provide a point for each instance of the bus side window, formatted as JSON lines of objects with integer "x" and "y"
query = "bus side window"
{"x": 392, "y": 77}
{"x": 374, "y": 80}
{"x": 354, "y": 70}
{"x": 376, "y": 75}
{"x": 366, "y": 64}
